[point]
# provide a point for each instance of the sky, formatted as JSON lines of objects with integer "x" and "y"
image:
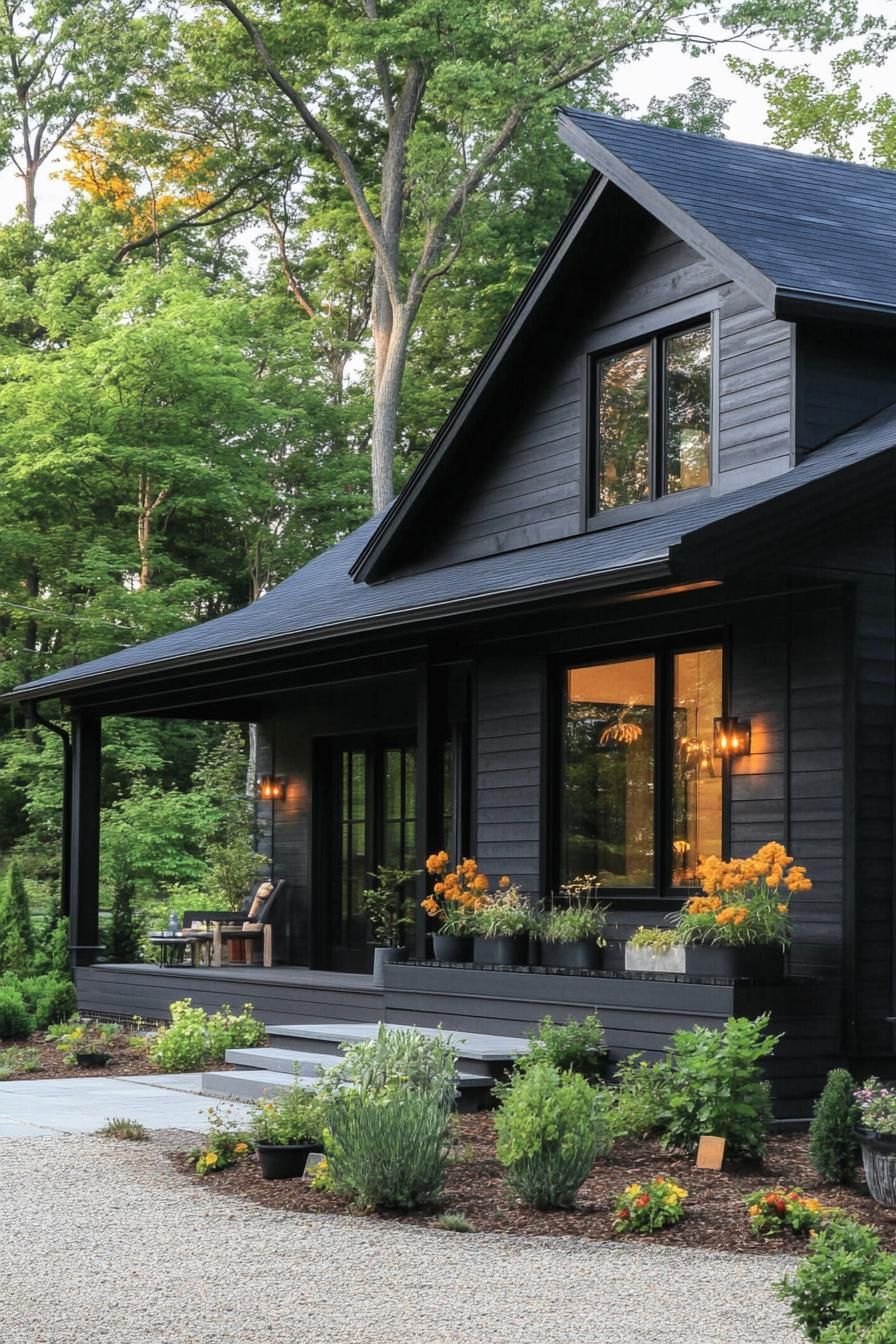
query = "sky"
{"x": 665, "y": 72}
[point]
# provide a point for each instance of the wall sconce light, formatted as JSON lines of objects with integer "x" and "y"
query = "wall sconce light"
{"x": 731, "y": 737}
{"x": 270, "y": 789}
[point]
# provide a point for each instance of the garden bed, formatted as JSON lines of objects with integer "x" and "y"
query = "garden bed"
{"x": 126, "y": 1060}
{"x": 716, "y": 1216}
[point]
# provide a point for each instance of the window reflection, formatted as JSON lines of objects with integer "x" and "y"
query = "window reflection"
{"x": 686, "y": 413}
{"x": 696, "y": 775}
{"x": 624, "y": 428}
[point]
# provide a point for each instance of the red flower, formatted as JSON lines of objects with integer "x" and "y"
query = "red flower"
{"x": 623, "y": 1213}
{"x": 641, "y": 1201}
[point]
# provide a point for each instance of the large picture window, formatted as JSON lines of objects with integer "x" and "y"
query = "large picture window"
{"x": 653, "y": 419}
{"x": 641, "y": 793}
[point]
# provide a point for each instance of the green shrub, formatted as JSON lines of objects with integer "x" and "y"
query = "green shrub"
{"x": 572, "y": 1045}
{"x": 18, "y": 1059}
{"x": 53, "y": 956}
{"x": 124, "y": 935}
{"x": 293, "y": 1116}
{"x": 869, "y": 1317}
{"x": 194, "y": 1038}
{"x": 48, "y": 998}
{"x": 15, "y": 1021}
{"x": 225, "y": 1144}
{"x": 636, "y": 1103}
{"x": 16, "y": 934}
{"x": 550, "y": 1130}
{"x": 388, "y": 1148}
{"x": 845, "y": 1265}
{"x": 833, "y": 1148}
{"x": 717, "y": 1087}
{"x": 407, "y": 1057}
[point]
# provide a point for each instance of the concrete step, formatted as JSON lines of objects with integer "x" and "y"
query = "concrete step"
{"x": 248, "y": 1084}
{"x": 478, "y": 1053}
{"x": 275, "y": 1059}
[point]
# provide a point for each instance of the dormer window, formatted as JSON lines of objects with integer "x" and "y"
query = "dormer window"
{"x": 652, "y": 420}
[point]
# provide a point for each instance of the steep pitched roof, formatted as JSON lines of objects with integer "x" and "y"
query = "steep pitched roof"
{"x": 817, "y": 229}
{"x": 799, "y": 232}
{"x": 320, "y": 600}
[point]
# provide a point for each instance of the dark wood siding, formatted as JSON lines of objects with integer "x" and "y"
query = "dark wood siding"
{"x": 509, "y": 694}
{"x": 755, "y": 392}
{"x": 843, "y": 375}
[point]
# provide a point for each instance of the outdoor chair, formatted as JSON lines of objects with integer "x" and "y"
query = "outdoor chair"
{"x": 259, "y": 929}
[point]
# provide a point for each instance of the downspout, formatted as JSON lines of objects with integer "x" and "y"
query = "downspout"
{"x": 66, "y": 868}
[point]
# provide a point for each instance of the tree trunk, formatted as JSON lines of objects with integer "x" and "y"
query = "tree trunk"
{"x": 391, "y": 358}
{"x": 146, "y": 507}
{"x": 28, "y": 177}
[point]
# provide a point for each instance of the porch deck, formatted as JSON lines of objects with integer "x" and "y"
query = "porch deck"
{"x": 639, "y": 1012}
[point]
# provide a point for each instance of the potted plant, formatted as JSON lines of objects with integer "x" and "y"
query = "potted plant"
{"x": 740, "y": 926}
{"x": 285, "y": 1129}
{"x": 571, "y": 935}
{"x": 456, "y": 897}
{"x": 389, "y": 912}
{"x": 877, "y": 1139}
{"x": 501, "y": 928}
{"x": 84, "y": 1043}
{"x": 655, "y": 952}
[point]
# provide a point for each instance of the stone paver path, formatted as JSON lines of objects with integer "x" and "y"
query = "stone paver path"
{"x": 82, "y": 1105}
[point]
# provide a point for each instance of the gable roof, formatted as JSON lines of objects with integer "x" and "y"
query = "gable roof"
{"x": 320, "y": 601}
{"x": 799, "y": 232}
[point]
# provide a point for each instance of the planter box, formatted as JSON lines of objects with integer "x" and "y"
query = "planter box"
{"x": 284, "y": 1161}
{"x": 758, "y": 961}
{"x": 452, "y": 947}
{"x": 879, "y": 1161}
{"x": 582, "y": 955}
{"x": 669, "y": 962}
{"x": 501, "y": 951}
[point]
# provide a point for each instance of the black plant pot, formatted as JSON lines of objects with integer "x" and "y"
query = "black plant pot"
{"x": 508, "y": 951}
{"x": 92, "y": 1059}
{"x": 753, "y": 961}
{"x": 879, "y": 1161}
{"x": 582, "y": 955}
{"x": 284, "y": 1161}
{"x": 452, "y": 947}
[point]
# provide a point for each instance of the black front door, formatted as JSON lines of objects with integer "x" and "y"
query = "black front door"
{"x": 372, "y": 811}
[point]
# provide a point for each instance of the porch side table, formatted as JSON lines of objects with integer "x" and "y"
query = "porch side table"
{"x": 169, "y": 945}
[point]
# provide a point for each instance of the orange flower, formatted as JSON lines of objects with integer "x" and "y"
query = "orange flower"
{"x": 437, "y": 863}
{"x": 430, "y": 906}
{"x": 504, "y": 881}
{"x": 782, "y": 908}
{"x": 480, "y": 882}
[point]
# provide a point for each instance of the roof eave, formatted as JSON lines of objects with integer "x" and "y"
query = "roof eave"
{"x": 679, "y": 221}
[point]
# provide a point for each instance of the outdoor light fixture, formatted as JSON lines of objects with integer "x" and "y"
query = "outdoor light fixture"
{"x": 731, "y": 737}
{"x": 270, "y": 789}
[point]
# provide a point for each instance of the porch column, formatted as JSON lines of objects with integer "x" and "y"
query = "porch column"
{"x": 84, "y": 880}
{"x": 424, "y": 799}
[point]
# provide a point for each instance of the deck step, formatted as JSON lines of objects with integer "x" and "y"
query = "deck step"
{"x": 477, "y": 1052}
{"x": 248, "y": 1084}
{"x": 275, "y": 1059}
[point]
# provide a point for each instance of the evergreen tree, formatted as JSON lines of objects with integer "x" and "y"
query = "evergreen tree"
{"x": 16, "y": 933}
{"x": 833, "y": 1149}
{"x": 123, "y": 935}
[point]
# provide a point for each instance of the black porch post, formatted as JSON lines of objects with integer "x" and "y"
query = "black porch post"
{"x": 84, "y": 890}
{"x": 424, "y": 797}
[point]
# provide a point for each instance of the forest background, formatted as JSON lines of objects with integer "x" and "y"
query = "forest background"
{"x": 290, "y": 232}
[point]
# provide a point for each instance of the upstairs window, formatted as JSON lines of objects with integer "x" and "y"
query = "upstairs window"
{"x": 653, "y": 414}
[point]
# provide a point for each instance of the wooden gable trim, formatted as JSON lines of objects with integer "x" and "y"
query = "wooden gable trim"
{"x": 370, "y": 563}
{"x": 679, "y": 221}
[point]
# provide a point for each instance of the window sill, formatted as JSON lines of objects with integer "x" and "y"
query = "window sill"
{"x": 648, "y": 508}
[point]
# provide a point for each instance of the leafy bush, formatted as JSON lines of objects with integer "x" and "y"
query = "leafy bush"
{"x": 16, "y": 934}
{"x": 194, "y": 1038}
{"x": 650, "y": 1207}
{"x": 716, "y": 1087}
{"x": 76, "y": 1037}
{"x": 15, "y": 1021}
{"x": 224, "y": 1145}
{"x": 18, "y": 1059}
{"x": 388, "y": 1148}
{"x": 845, "y": 1263}
{"x": 636, "y": 1104}
{"x": 833, "y": 1148}
{"x": 293, "y": 1116}
{"x": 406, "y": 1057}
{"x": 388, "y": 906}
{"x": 49, "y": 999}
{"x": 572, "y": 1045}
{"x": 550, "y": 1130}
{"x": 774, "y": 1212}
{"x": 868, "y": 1318}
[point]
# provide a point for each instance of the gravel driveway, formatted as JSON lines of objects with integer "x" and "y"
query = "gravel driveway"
{"x": 99, "y": 1242}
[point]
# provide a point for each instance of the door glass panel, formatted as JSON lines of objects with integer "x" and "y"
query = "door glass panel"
{"x": 447, "y": 808}
{"x": 696, "y": 777}
{"x": 624, "y": 428}
{"x": 353, "y": 841}
{"x": 686, "y": 409}
{"x": 399, "y": 799}
{"x": 608, "y": 773}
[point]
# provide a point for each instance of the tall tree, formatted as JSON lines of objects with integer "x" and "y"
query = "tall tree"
{"x": 415, "y": 105}
{"x": 61, "y": 60}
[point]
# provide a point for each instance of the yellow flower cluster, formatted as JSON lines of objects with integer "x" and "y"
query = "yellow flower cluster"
{"x": 465, "y": 888}
{"x": 732, "y": 914}
{"x": 770, "y": 866}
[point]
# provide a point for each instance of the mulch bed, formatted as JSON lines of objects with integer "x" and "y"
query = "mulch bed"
{"x": 716, "y": 1216}
{"x": 126, "y": 1060}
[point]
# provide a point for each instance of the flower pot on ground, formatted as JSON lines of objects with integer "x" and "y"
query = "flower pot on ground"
{"x": 84, "y": 1043}
{"x": 92, "y": 1059}
{"x": 655, "y": 952}
{"x": 740, "y": 925}
{"x": 571, "y": 935}
{"x": 452, "y": 946}
{"x": 285, "y": 1129}
{"x": 877, "y": 1139}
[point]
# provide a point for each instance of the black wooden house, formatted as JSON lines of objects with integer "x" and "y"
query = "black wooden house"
{"x": 666, "y": 495}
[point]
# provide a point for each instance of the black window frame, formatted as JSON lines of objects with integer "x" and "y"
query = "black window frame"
{"x": 663, "y": 652}
{"x": 654, "y": 342}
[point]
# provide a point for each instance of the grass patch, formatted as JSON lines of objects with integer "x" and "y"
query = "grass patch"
{"x": 120, "y": 1128}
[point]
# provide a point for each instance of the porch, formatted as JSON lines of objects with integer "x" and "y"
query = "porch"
{"x": 638, "y": 1012}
